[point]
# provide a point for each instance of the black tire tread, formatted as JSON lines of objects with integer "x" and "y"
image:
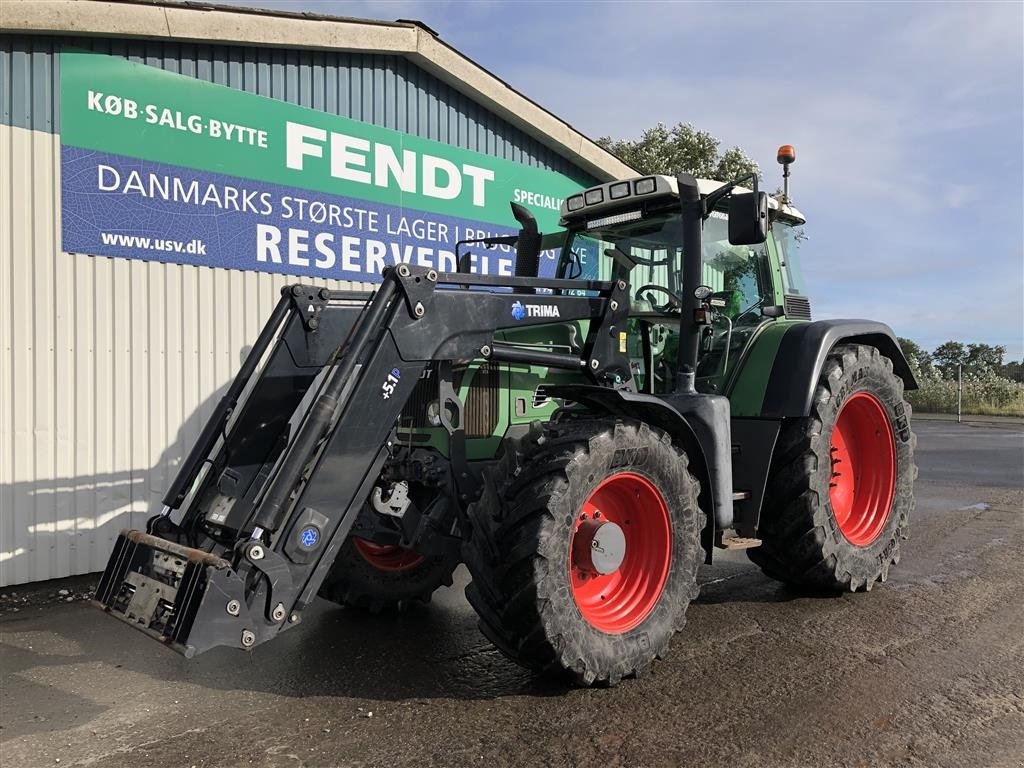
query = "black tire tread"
{"x": 355, "y": 583}
{"x": 514, "y": 510}
{"x": 800, "y": 543}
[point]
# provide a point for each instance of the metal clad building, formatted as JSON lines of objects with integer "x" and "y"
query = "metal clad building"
{"x": 110, "y": 366}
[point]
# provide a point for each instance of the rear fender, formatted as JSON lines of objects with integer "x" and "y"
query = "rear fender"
{"x": 801, "y": 356}
{"x": 699, "y": 424}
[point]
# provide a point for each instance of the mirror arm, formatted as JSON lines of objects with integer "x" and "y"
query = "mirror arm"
{"x": 626, "y": 262}
{"x": 712, "y": 199}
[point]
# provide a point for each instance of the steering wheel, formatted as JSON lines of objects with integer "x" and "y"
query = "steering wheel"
{"x": 674, "y": 302}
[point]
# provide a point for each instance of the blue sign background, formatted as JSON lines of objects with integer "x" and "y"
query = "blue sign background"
{"x": 119, "y": 223}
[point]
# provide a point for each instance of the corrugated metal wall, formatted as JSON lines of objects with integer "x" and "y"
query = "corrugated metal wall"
{"x": 384, "y": 90}
{"x": 109, "y": 367}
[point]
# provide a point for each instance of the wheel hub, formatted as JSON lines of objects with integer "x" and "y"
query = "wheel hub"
{"x": 599, "y": 546}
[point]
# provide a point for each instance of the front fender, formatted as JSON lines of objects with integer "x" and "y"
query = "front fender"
{"x": 700, "y": 424}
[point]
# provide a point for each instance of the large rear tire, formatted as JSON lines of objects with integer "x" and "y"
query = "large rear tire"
{"x": 585, "y": 548}
{"x": 376, "y": 578}
{"x": 841, "y": 487}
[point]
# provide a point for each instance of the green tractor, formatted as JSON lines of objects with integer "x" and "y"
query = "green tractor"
{"x": 582, "y": 442}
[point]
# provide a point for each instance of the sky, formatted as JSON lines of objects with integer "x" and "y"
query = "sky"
{"x": 907, "y": 118}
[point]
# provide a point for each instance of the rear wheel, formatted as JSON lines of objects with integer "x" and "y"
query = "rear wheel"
{"x": 586, "y": 543}
{"x": 840, "y": 489}
{"x": 376, "y": 577}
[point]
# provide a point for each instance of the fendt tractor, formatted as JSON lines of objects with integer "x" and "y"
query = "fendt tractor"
{"x": 582, "y": 443}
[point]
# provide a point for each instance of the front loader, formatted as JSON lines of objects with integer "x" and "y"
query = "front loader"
{"x": 581, "y": 442}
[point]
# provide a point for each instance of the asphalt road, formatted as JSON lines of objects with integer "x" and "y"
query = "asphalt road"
{"x": 926, "y": 670}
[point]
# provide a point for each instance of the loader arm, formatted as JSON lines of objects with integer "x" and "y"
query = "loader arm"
{"x": 290, "y": 455}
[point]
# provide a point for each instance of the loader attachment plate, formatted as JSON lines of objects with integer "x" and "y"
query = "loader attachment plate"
{"x": 158, "y": 586}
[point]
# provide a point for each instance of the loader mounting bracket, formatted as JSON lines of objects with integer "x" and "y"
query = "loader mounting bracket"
{"x": 309, "y": 303}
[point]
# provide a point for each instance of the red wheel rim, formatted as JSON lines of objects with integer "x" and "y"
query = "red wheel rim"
{"x": 387, "y": 557}
{"x": 863, "y": 482}
{"x": 617, "y": 602}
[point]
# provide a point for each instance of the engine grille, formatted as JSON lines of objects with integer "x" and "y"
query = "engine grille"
{"x": 482, "y": 402}
{"x": 797, "y": 307}
{"x": 541, "y": 397}
{"x": 480, "y": 409}
{"x": 414, "y": 414}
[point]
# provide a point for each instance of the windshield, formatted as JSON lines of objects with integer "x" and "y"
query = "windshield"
{"x": 788, "y": 239}
{"x": 738, "y": 273}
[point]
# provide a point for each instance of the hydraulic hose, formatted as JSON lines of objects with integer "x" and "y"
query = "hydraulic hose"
{"x": 321, "y": 413}
{"x": 215, "y": 424}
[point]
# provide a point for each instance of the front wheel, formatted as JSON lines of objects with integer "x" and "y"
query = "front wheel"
{"x": 841, "y": 486}
{"x": 378, "y": 577}
{"x": 586, "y": 543}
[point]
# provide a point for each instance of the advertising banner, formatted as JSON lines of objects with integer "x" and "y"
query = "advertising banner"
{"x": 164, "y": 167}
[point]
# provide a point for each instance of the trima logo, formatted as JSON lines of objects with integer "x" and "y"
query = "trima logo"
{"x": 520, "y": 310}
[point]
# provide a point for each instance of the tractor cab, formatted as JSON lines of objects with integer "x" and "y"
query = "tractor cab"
{"x": 634, "y": 227}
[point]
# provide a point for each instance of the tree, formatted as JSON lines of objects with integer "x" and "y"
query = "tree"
{"x": 985, "y": 358}
{"x": 948, "y": 356}
{"x": 976, "y": 359}
{"x": 920, "y": 359}
{"x": 1013, "y": 370}
{"x": 681, "y": 148}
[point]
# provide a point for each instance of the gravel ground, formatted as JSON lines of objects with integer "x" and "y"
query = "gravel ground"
{"x": 927, "y": 670}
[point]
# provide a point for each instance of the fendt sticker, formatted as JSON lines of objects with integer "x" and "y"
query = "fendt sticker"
{"x": 520, "y": 310}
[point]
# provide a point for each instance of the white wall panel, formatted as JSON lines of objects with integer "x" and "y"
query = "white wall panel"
{"x": 108, "y": 369}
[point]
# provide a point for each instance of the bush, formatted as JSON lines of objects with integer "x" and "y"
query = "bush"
{"x": 986, "y": 394}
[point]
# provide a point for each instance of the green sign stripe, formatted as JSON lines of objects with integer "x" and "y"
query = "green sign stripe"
{"x": 112, "y": 105}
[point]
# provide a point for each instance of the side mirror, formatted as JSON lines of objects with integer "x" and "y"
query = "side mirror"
{"x": 527, "y": 243}
{"x": 748, "y": 218}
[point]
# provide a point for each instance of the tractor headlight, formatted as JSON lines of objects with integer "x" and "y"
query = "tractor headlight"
{"x": 434, "y": 413}
{"x": 574, "y": 203}
{"x": 619, "y": 191}
{"x": 594, "y": 196}
{"x": 644, "y": 186}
